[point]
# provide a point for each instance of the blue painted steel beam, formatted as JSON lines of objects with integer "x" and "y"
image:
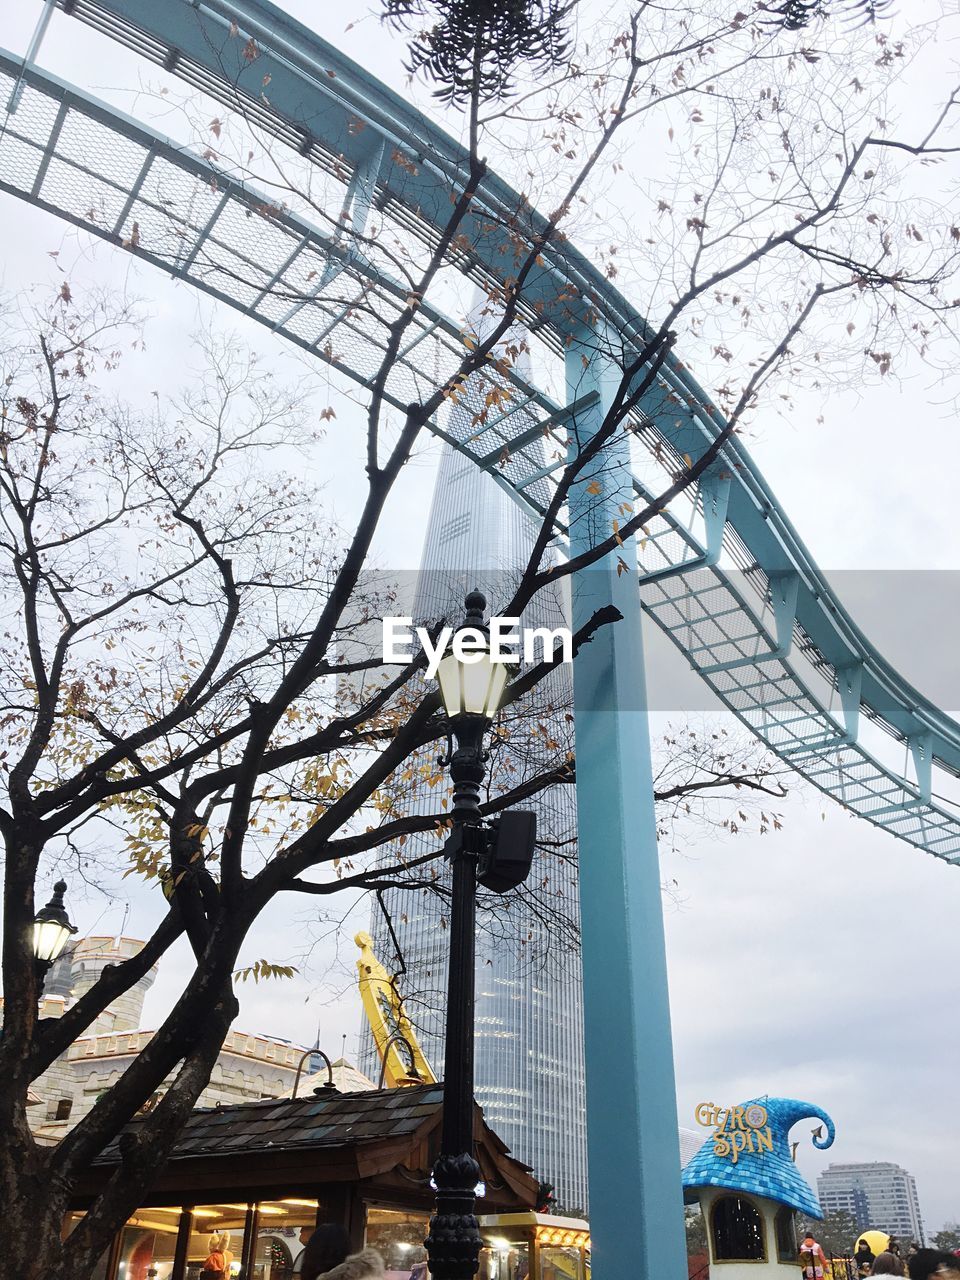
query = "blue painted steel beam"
{"x": 631, "y": 1095}
{"x": 324, "y": 111}
{"x": 332, "y": 101}
{"x": 689, "y": 424}
{"x": 327, "y": 97}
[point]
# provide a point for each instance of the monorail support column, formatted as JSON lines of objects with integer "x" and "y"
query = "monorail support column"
{"x": 636, "y": 1210}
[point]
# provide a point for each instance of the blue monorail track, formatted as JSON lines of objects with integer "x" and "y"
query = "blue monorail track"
{"x": 732, "y": 586}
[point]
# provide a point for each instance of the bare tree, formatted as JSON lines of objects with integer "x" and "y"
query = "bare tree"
{"x": 180, "y": 681}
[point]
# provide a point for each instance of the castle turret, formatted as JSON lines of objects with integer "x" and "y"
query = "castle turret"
{"x": 88, "y": 959}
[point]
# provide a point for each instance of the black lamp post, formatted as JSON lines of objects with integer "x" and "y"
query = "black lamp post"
{"x": 52, "y": 929}
{"x": 471, "y": 687}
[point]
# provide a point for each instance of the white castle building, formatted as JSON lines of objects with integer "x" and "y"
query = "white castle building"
{"x": 249, "y": 1067}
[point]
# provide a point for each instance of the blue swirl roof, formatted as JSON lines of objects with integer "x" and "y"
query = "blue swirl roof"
{"x": 764, "y": 1173}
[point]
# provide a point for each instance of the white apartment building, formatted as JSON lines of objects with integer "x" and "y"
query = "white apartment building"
{"x": 876, "y": 1194}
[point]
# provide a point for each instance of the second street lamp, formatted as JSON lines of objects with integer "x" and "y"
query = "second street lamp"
{"x": 52, "y": 929}
{"x": 471, "y": 688}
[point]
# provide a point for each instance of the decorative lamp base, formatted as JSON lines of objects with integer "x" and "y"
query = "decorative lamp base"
{"x": 453, "y": 1245}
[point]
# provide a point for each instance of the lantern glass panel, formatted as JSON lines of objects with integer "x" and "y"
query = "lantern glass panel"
{"x": 471, "y": 688}
{"x": 498, "y": 683}
{"x": 475, "y": 680}
{"x": 448, "y": 676}
{"x": 49, "y": 939}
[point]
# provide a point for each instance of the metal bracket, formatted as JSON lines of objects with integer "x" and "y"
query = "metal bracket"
{"x": 356, "y": 206}
{"x": 784, "y": 589}
{"x": 715, "y": 500}
{"x": 849, "y": 684}
{"x": 921, "y": 748}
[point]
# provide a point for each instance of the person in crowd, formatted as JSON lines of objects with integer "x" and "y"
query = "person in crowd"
{"x": 887, "y": 1264}
{"x": 419, "y": 1270}
{"x": 928, "y": 1263}
{"x": 219, "y": 1257}
{"x": 327, "y": 1256}
{"x": 864, "y": 1258}
{"x": 812, "y": 1258}
{"x": 305, "y": 1234}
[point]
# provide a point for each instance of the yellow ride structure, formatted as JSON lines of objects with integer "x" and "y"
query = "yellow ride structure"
{"x": 877, "y": 1240}
{"x": 402, "y": 1061}
{"x": 516, "y": 1246}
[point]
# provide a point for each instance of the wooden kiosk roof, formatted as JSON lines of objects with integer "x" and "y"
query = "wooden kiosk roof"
{"x": 381, "y": 1143}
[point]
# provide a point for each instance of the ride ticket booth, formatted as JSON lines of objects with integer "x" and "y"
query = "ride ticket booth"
{"x": 749, "y": 1188}
{"x": 252, "y": 1182}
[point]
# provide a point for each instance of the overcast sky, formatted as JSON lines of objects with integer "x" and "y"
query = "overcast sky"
{"x": 820, "y": 962}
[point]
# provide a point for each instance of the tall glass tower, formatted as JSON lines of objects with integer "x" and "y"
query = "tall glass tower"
{"x": 529, "y": 1019}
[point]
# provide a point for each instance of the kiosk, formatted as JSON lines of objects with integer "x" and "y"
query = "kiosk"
{"x": 750, "y": 1189}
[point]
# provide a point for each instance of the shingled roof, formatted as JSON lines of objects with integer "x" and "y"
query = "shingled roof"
{"x": 770, "y": 1173}
{"x": 325, "y": 1120}
{"x": 377, "y": 1140}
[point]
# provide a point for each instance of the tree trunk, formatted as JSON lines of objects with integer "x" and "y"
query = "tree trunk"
{"x": 33, "y": 1207}
{"x": 36, "y": 1197}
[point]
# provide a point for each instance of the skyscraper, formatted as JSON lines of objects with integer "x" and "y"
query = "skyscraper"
{"x": 529, "y": 1019}
{"x": 876, "y": 1194}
